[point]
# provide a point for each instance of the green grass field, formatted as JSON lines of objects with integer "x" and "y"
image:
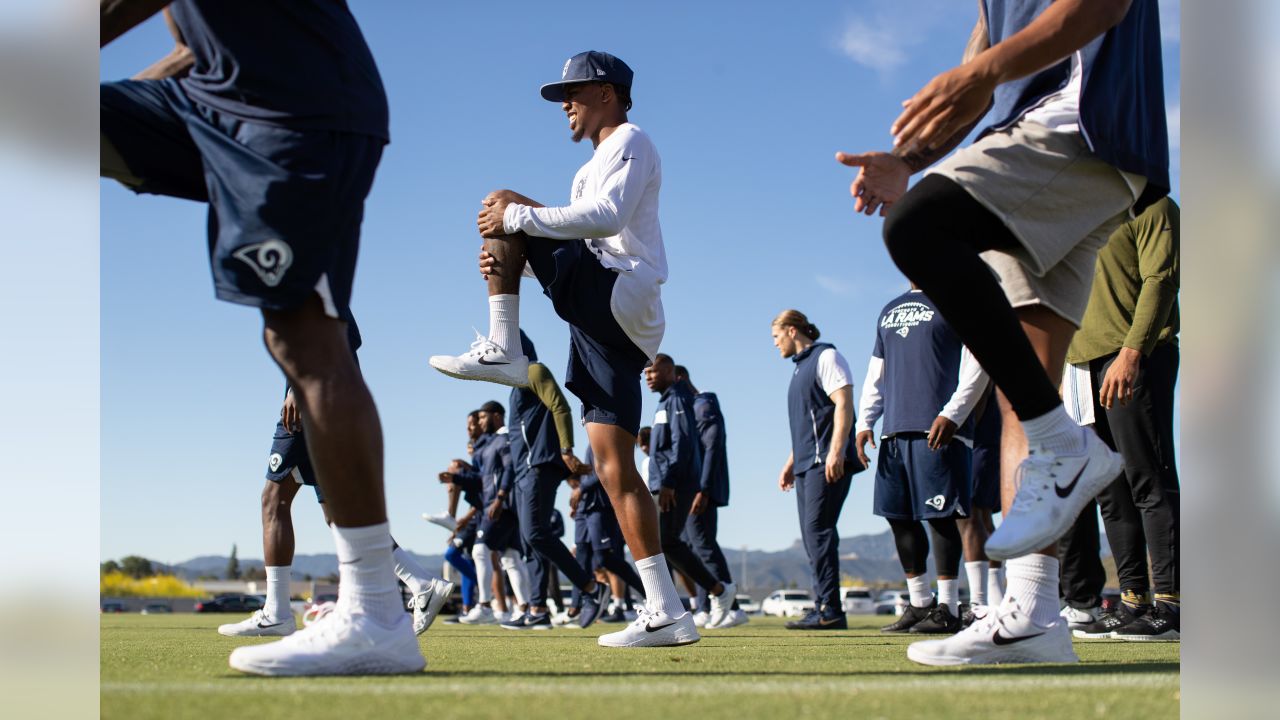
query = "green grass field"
{"x": 176, "y": 667}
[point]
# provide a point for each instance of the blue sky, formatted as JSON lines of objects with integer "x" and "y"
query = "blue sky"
{"x": 747, "y": 103}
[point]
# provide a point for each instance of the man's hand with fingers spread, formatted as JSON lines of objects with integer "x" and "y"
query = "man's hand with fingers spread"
{"x": 882, "y": 179}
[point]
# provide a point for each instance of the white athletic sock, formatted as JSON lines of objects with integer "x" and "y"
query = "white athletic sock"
{"x": 949, "y": 595}
{"x": 484, "y": 573}
{"x": 995, "y": 586}
{"x": 277, "y": 607}
{"x": 366, "y": 577}
{"x": 1033, "y": 582}
{"x": 504, "y": 323}
{"x": 410, "y": 571}
{"x": 660, "y": 592}
{"x": 1056, "y": 432}
{"x": 518, "y": 572}
{"x": 919, "y": 588}
{"x": 976, "y": 573}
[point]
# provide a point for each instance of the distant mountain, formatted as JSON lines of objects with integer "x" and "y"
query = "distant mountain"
{"x": 870, "y": 558}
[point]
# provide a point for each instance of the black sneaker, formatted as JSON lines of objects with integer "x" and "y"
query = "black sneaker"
{"x": 528, "y": 621}
{"x": 1163, "y": 622}
{"x": 966, "y": 615}
{"x": 940, "y": 621}
{"x": 593, "y": 604}
{"x": 805, "y": 623}
{"x": 832, "y": 619}
{"x": 618, "y": 615}
{"x": 910, "y": 617}
{"x": 1105, "y": 626}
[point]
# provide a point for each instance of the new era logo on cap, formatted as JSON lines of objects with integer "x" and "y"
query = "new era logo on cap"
{"x": 589, "y": 66}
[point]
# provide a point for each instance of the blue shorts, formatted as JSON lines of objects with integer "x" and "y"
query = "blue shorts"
{"x": 604, "y": 364}
{"x": 603, "y": 531}
{"x": 285, "y": 205}
{"x": 502, "y": 534}
{"x": 916, "y": 483}
{"x": 986, "y": 458}
{"x": 289, "y": 461}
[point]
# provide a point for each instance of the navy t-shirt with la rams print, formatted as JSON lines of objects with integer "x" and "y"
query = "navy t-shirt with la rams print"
{"x": 921, "y": 354}
{"x": 300, "y": 64}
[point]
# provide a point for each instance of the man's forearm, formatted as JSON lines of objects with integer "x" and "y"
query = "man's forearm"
{"x": 176, "y": 64}
{"x": 922, "y": 159}
{"x": 1063, "y": 28}
{"x": 117, "y": 17}
{"x": 1151, "y": 314}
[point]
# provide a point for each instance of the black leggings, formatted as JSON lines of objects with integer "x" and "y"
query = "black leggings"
{"x": 913, "y": 546}
{"x": 934, "y": 234}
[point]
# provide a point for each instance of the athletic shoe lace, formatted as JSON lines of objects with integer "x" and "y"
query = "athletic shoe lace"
{"x": 643, "y": 615}
{"x": 328, "y": 629}
{"x": 482, "y": 346}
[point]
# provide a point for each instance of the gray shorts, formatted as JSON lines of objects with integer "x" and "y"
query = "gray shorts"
{"x": 1060, "y": 201}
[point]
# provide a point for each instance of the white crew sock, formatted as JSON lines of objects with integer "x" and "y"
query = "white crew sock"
{"x": 660, "y": 592}
{"x": 918, "y": 586}
{"x": 504, "y": 323}
{"x": 1033, "y": 582}
{"x": 976, "y": 573}
{"x": 949, "y": 595}
{"x": 995, "y": 586}
{"x": 366, "y": 577}
{"x": 1056, "y": 432}
{"x": 277, "y": 607}
{"x": 484, "y": 573}
{"x": 410, "y": 571}
{"x": 518, "y": 572}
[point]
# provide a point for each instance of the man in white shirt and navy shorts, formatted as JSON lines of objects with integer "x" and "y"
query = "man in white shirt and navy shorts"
{"x": 602, "y": 262}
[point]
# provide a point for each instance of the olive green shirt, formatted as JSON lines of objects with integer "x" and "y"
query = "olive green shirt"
{"x": 543, "y": 384}
{"x": 1134, "y": 301}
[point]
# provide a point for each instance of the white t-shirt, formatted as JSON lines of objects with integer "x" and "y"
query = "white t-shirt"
{"x": 614, "y": 209}
{"x": 833, "y": 371}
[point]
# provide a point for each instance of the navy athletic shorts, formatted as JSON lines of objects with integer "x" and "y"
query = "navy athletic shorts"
{"x": 285, "y": 205}
{"x": 604, "y": 364}
{"x": 501, "y": 534}
{"x": 603, "y": 531}
{"x": 916, "y": 483}
{"x": 289, "y": 461}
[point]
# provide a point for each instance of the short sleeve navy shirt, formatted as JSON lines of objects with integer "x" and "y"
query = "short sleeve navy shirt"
{"x": 921, "y": 354}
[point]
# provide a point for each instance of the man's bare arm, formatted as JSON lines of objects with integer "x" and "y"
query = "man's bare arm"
{"x": 179, "y": 60}
{"x": 117, "y": 17}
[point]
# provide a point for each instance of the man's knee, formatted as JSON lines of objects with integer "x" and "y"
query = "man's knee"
{"x": 306, "y": 342}
{"x": 276, "y": 501}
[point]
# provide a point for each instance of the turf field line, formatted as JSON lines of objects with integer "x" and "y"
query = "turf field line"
{"x": 955, "y": 682}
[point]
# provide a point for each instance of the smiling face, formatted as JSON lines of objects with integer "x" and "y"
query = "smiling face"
{"x": 591, "y": 107}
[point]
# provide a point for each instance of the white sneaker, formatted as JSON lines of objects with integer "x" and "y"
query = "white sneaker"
{"x": 733, "y": 619}
{"x": 722, "y": 605}
{"x": 479, "y": 615}
{"x": 700, "y": 619}
{"x": 1054, "y": 489}
{"x": 443, "y": 519}
{"x": 998, "y": 635}
{"x": 561, "y": 618}
{"x": 259, "y": 625}
{"x": 1077, "y": 618}
{"x": 340, "y": 643}
{"x": 317, "y": 611}
{"x": 426, "y": 605}
{"x": 654, "y": 630}
{"x": 485, "y": 361}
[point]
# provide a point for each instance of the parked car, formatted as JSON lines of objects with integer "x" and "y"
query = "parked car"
{"x": 787, "y": 603}
{"x": 112, "y": 607}
{"x": 893, "y": 602}
{"x": 857, "y": 600}
{"x": 747, "y": 605}
{"x": 156, "y": 609}
{"x": 231, "y": 604}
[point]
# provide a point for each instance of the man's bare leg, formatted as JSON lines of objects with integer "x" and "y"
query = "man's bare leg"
{"x": 614, "y": 451}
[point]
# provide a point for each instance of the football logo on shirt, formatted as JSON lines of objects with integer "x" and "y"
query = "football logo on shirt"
{"x": 906, "y": 316}
{"x": 936, "y": 502}
{"x": 269, "y": 259}
{"x": 577, "y": 193}
{"x": 275, "y": 461}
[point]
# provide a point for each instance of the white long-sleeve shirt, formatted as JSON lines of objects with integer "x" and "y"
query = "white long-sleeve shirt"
{"x": 972, "y": 383}
{"x": 614, "y": 209}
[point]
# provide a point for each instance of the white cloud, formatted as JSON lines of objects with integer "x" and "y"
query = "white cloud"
{"x": 877, "y": 47}
{"x": 833, "y": 285}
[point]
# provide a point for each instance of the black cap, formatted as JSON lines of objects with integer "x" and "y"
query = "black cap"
{"x": 589, "y": 66}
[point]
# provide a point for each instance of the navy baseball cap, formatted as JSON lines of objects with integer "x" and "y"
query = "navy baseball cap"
{"x": 589, "y": 66}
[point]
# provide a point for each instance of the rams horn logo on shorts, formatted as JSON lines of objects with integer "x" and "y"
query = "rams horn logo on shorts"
{"x": 275, "y": 462}
{"x": 269, "y": 258}
{"x": 936, "y": 502}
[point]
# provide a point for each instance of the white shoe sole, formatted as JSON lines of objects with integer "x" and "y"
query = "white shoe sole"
{"x": 1002, "y": 657}
{"x": 255, "y": 632}
{"x": 732, "y": 622}
{"x": 373, "y": 662}
{"x": 497, "y": 376}
{"x": 1170, "y": 636}
{"x": 666, "y": 637}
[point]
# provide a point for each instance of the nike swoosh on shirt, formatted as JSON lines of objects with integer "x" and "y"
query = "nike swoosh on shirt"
{"x": 482, "y": 361}
{"x": 1065, "y": 491}
{"x": 999, "y": 639}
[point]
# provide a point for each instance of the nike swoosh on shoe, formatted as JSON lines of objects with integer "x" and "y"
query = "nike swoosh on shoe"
{"x": 1063, "y": 492}
{"x": 482, "y": 361}
{"x": 650, "y": 628}
{"x": 999, "y": 639}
